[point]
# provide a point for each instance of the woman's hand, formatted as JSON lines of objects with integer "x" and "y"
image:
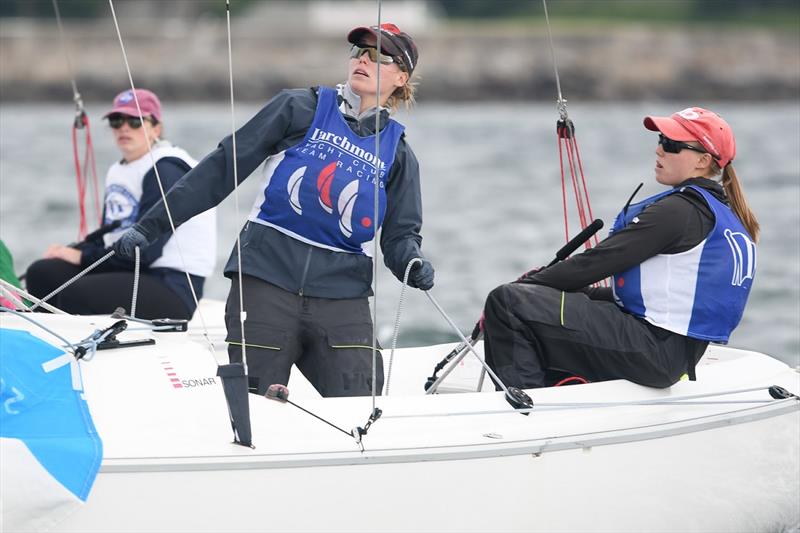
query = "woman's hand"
{"x": 65, "y": 253}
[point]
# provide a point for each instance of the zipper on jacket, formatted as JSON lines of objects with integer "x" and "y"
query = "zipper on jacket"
{"x": 305, "y": 270}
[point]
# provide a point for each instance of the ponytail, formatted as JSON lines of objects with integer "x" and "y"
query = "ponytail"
{"x": 733, "y": 190}
{"x": 403, "y": 95}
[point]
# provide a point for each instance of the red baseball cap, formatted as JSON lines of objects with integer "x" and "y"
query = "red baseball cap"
{"x": 701, "y": 125}
{"x": 395, "y": 42}
{"x": 125, "y": 103}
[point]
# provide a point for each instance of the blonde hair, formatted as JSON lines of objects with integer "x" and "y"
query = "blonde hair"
{"x": 735, "y": 194}
{"x": 403, "y": 95}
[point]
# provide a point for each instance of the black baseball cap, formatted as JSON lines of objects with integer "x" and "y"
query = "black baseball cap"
{"x": 393, "y": 41}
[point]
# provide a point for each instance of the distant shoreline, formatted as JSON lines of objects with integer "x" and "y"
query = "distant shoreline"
{"x": 458, "y": 63}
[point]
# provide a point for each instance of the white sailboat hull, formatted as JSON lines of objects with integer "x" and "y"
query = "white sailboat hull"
{"x": 447, "y": 462}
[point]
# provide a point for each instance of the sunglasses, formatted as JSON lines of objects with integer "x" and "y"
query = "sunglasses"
{"x": 358, "y": 51}
{"x": 675, "y": 147}
{"x": 117, "y": 121}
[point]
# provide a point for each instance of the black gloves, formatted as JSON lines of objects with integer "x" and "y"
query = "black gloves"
{"x": 126, "y": 244}
{"x": 526, "y": 277}
{"x": 421, "y": 275}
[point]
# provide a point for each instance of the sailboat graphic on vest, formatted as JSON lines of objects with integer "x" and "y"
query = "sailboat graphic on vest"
{"x": 744, "y": 256}
{"x": 293, "y": 187}
{"x": 324, "y": 181}
{"x": 347, "y": 199}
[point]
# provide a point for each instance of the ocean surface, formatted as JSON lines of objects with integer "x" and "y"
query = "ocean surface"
{"x": 491, "y": 195}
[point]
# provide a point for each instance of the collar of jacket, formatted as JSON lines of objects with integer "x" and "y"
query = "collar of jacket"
{"x": 350, "y": 103}
{"x": 709, "y": 185}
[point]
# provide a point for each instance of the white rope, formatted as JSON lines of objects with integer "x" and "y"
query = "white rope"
{"x": 242, "y": 313}
{"x": 13, "y": 298}
{"x": 76, "y": 96}
{"x": 468, "y": 345}
{"x": 375, "y": 251}
{"x": 28, "y": 296}
{"x": 158, "y": 180}
{"x": 397, "y": 319}
{"x": 135, "y": 282}
{"x": 37, "y": 323}
{"x": 550, "y": 406}
{"x": 562, "y": 103}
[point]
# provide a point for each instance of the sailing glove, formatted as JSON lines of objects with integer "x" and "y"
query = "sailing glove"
{"x": 126, "y": 245}
{"x": 421, "y": 275}
{"x": 526, "y": 277}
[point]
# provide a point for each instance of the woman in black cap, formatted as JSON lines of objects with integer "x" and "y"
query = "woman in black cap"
{"x": 306, "y": 249}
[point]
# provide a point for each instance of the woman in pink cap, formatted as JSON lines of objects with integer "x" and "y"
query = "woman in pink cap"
{"x": 131, "y": 188}
{"x": 682, "y": 264}
{"x": 306, "y": 249}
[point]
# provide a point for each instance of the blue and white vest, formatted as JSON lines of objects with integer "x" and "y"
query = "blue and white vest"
{"x": 699, "y": 293}
{"x": 197, "y": 236}
{"x": 322, "y": 190}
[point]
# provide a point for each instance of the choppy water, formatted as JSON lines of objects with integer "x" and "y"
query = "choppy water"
{"x": 491, "y": 190}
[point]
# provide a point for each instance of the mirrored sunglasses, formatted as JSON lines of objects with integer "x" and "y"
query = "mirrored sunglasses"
{"x": 358, "y": 51}
{"x": 675, "y": 147}
{"x": 116, "y": 121}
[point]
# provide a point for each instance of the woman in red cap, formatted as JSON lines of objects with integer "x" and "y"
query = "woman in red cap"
{"x": 682, "y": 263}
{"x": 306, "y": 249}
{"x": 131, "y": 189}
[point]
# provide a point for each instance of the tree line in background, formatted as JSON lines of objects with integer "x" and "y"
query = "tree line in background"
{"x": 785, "y": 12}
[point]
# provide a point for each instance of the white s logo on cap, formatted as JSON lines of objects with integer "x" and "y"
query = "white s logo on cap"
{"x": 689, "y": 114}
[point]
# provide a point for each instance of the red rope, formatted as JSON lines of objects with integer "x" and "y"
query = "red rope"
{"x": 569, "y": 379}
{"x": 585, "y": 188}
{"x": 82, "y": 172}
{"x": 563, "y": 186}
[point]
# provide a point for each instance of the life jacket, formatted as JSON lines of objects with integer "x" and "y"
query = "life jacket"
{"x": 700, "y": 293}
{"x": 197, "y": 236}
{"x": 322, "y": 190}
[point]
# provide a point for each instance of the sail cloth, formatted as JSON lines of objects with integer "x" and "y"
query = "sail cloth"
{"x": 50, "y": 452}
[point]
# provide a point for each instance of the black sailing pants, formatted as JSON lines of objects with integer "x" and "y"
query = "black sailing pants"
{"x": 330, "y": 340}
{"x": 100, "y": 293}
{"x": 529, "y": 329}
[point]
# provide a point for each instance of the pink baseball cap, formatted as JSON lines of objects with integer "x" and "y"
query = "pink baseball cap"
{"x": 701, "y": 125}
{"x": 125, "y": 103}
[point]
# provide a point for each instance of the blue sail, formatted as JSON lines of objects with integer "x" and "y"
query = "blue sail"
{"x": 43, "y": 407}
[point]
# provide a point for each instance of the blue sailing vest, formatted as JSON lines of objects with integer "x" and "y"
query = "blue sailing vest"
{"x": 322, "y": 190}
{"x": 700, "y": 293}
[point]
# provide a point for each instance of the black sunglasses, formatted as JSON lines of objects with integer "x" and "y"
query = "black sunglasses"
{"x": 359, "y": 50}
{"x": 116, "y": 121}
{"x": 675, "y": 147}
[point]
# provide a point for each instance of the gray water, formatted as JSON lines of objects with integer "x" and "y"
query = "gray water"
{"x": 491, "y": 193}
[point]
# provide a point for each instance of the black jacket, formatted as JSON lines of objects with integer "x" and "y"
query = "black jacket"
{"x": 271, "y": 255}
{"x": 674, "y": 224}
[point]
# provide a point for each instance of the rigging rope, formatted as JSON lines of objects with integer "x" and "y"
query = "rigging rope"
{"x": 80, "y": 122}
{"x": 568, "y": 147}
{"x": 375, "y": 219}
{"x": 397, "y": 319}
{"x": 242, "y": 313}
{"x": 158, "y": 180}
